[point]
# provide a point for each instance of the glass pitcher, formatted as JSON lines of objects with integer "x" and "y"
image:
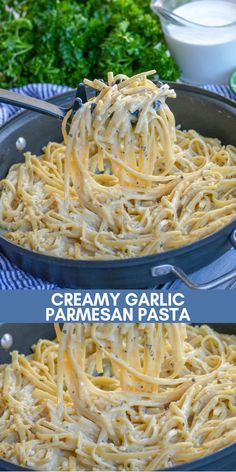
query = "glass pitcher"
{"x": 206, "y": 51}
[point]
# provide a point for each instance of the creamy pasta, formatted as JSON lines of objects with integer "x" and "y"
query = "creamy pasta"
{"x": 124, "y": 182}
{"x": 119, "y": 397}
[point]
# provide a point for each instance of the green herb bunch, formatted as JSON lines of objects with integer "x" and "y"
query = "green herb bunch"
{"x": 63, "y": 41}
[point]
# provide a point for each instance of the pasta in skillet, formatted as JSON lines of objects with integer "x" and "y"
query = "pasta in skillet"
{"x": 124, "y": 183}
{"x": 119, "y": 397}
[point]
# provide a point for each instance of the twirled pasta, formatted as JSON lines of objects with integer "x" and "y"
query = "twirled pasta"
{"x": 119, "y": 397}
{"x": 124, "y": 182}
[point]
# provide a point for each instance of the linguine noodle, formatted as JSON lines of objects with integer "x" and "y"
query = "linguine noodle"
{"x": 124, "y": 183}
{"x": 119, "y": 397}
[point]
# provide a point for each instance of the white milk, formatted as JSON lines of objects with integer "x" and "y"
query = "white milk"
{"x": 204, "y": 55}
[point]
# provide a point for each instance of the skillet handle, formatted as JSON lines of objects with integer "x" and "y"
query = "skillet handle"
{"x": 23, "y": 101}
{"x": 165, "y": 269}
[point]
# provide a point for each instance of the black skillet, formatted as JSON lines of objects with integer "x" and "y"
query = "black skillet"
{"x": 204, "y": 111}
{"x": 25, "y": 335}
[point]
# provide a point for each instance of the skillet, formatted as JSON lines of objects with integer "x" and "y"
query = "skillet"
{"x": 204, "y": 111}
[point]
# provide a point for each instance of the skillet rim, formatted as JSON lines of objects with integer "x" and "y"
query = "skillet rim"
{"x": 192, "y": 465}
{"x": 130, "y": 261}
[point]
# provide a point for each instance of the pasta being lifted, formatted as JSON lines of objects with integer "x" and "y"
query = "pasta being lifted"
{"x": 124, "y": 182}
{"x": 119, "y": 397}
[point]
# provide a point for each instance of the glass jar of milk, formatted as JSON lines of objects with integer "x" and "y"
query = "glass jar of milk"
{"x": 201, "y": 36}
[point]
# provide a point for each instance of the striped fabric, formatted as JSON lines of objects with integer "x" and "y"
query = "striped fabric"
{"x": 221, "y": 90}
{"x": 42, "y": 91}
{"x": 13, "y": 278}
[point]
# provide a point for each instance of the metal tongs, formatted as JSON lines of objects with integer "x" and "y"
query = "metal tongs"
{"x": 82, "y": 95}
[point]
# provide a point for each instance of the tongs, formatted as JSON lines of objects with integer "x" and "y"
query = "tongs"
{"x": 82, "y": 95}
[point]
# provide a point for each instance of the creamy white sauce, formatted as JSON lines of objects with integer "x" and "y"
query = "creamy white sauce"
{"x": 206, "y": 51}
{"x": 208, "y": 12}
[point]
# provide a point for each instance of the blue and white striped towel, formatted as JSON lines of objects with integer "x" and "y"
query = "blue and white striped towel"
{"x": 13, "y": 278}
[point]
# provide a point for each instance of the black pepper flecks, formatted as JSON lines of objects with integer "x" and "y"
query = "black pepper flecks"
{"x": 134, "y": 116}
{"x": 93, "y": 106}
{"x": 156, "y": 105}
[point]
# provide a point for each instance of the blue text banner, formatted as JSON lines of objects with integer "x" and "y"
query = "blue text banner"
{"x": 49, "y": 306}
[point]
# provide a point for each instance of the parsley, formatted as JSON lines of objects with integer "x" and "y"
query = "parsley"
{"x": 63, "y": 41}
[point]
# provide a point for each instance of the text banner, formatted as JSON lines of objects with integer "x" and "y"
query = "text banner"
{"x": 188, "y": 306}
